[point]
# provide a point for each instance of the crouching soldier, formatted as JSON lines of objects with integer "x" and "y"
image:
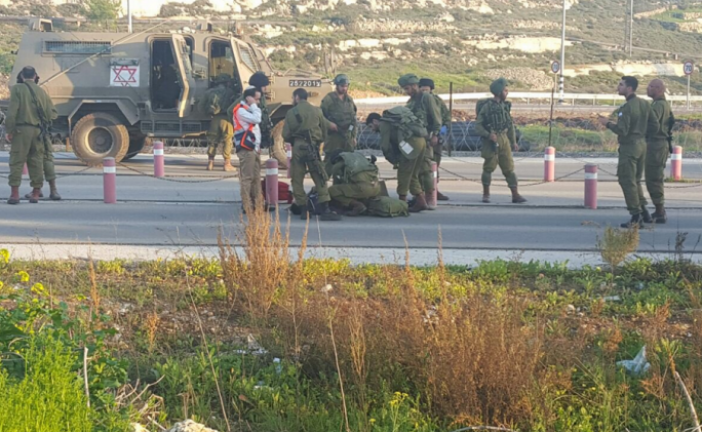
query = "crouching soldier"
{"x": 355, "y": 180}
{"x": 403, "y": 142}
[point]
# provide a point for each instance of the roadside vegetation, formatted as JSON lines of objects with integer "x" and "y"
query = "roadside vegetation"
{"x": 263, "y": 340}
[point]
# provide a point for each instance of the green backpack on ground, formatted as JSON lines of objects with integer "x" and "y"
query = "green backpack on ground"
{"x": 406, "y": 121}
{"x": 384, "y": 206}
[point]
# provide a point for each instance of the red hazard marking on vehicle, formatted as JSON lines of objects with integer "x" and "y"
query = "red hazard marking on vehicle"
{"x": 125, "y": 75}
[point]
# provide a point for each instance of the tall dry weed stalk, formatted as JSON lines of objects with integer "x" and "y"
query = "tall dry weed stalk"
{"x": 617, "y": 244}
{"x": 256, "y": 276}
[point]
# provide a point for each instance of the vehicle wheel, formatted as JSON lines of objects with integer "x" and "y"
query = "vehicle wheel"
{"x": 137, "y": 142}
{"x": 279, "y": 145}
{"x": 99, "y": 135}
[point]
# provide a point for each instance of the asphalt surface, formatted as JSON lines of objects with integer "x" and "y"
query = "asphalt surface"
{"x": 187, "y": 212}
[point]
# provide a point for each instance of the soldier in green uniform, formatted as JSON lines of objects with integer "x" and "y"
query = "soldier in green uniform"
{"x": 49, "y": 169}
{"x": 427, "y": 86}
{"x": 355, "y": 180}
{"x": 424, "y": 106}
{"x": 407, "y": 155}
{"x": 494, "y": 125}
{"x": 306, "y": 128}
{"x": 221, "y": 130}
{"x": 630, "y": 128}
{"x": 27, "y": 127}
{"x": 338, "y": 107}
{"x": 658, "y": 135}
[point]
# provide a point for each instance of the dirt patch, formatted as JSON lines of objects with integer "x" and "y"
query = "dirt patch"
{"x": 4, "y": 86}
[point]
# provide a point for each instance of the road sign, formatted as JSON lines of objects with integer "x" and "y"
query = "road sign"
{"x": 688, "y": 67}
{"x": 555, "y": 66}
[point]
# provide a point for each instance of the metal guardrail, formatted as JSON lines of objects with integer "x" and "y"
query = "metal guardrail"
{"x": 527, "y": 96}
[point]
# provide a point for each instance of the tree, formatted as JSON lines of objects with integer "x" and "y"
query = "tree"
{"x": 102, "y": 10}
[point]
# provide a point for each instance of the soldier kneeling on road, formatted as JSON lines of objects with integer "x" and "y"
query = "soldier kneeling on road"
{"x": 355, "y": 180}
{"x": 402, "y": 140}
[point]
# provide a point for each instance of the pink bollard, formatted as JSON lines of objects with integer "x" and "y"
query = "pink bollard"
{"x": 288, "y": 153}
{"x": 159, "y": 163}
{"x": 591, "y": 186}
{"x": 25, "y": 170}
{"x": 431, "y": 200}
{"x": 550, "y": 164}
{"x": 676, "y": 163}
{"x": 109, "y": 180}
{"x": 272, "y": 182}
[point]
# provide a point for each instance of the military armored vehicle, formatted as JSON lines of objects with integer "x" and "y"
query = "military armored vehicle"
{"x": 114, "y": 91}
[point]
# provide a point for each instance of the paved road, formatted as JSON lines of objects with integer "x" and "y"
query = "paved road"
{"x": 154, "y": 217}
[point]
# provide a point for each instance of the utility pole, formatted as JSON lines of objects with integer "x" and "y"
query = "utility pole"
{"x": 561, "y": 87}
{"x": 129, "y": 16}
{"x": 629, "y": 26}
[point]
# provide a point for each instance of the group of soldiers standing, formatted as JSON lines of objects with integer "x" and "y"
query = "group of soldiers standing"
{"x": 643, "y": 131}
{"x": 411, "y": 138}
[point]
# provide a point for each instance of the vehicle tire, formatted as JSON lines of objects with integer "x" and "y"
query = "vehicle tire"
{"x": 137, "y": 142}
{"x": 278, "y": 149}
{"x": 99, "y": 135}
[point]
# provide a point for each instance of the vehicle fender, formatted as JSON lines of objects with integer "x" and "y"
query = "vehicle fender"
{"x": 125, "y": 106}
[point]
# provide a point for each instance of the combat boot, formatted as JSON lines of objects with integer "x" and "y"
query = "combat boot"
{"x": 420, "y": 203}
{"x": 14, "y": 196}
{"x": 516, "y": 198}
{"x": 659, "y": 216}
{"x": 325, "y": 213}
{"x": 36, "y": 194}
{"x": 636, "y": 221}
{"x": 29, "y": 195}
{"x": 53, "y": 195}
{"x": 228, "y": 165}
{"x": 441, "y": 197}
{"x": 357, "y": 208}
{"x": 645, "y": 215}
{"x": 210, "y": 164}
{"x": 486, "y": 194}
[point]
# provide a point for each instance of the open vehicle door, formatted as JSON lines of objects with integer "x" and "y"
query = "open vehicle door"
{"x": 185, "y": 73}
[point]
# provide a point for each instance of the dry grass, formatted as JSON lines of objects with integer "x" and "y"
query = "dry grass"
{"x": 476, "y": 358}
{"x": 617, "y": 244}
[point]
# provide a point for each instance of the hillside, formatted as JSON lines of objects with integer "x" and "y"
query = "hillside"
{"x": 467, "y": 42}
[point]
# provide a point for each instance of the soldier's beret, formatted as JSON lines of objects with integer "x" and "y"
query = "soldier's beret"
{"x": 260, "y": 80}
{"x": 426, "y": 82}
{"x": 498, "y": 86}
{"x": 408, "y": 79}
{"x": 342, "y": 79}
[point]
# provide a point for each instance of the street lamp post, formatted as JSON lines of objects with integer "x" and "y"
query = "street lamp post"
{"x": 561, "y": 89}
{"x": 129, "y": 16}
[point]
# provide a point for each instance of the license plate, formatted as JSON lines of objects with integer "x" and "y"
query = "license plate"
{"x": 305, "y": 83}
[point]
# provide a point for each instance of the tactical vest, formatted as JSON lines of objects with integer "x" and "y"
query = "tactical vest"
{"x": 497, "y": 115}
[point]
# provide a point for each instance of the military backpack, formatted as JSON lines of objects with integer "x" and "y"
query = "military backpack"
{"x": 384, "y": 206}
{"x": 407, "y": 123}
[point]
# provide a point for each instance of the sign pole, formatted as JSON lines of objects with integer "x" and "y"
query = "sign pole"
{"x": 688, "y": 92}
{"x": 550, "y": 121}
{"x": 450, "y": 128}
{"x": 688, "y": 69}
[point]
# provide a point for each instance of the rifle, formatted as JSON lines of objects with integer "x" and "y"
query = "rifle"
{"x": 671, "y": 123}
{"x": 45, "y": 125}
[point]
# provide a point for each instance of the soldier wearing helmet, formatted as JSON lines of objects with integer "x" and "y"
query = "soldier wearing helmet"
{"x": 338, "y": 107}
{"x": 214, "y": 103}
